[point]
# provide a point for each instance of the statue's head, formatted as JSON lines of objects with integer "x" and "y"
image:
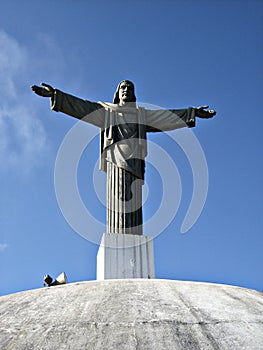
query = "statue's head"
{"x": 124, "y": 93}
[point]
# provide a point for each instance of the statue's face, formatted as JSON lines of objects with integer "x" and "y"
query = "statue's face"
{"x": 125, "y": 92}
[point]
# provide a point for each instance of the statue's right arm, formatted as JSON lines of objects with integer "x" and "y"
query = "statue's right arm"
{"x": 91, "y": 112}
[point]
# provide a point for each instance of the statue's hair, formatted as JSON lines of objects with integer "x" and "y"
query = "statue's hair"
{"x": 116, "y": 98}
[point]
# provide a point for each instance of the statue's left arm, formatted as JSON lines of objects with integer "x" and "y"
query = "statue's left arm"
{"x": 164, "y": 120}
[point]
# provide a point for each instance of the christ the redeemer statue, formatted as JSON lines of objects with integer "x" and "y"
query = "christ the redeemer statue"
{"x": 124, "y": 128}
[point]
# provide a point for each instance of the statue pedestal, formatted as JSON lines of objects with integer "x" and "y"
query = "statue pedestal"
{"x": 125, "y": 256}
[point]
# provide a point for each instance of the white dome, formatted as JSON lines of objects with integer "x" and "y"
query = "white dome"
{"x": 133, "y": 314}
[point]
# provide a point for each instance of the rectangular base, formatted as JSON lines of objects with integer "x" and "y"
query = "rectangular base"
{"x": 125, "y": 256}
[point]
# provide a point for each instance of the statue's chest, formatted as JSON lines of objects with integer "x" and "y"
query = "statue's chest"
{"x": 126, "y": 126}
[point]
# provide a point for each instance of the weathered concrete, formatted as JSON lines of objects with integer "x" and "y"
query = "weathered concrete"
{"x": 125, "y": 256}
{"x": 133, "y": 314}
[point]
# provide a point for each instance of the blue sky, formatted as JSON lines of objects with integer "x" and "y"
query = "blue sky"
{"x": 178, "y": 54}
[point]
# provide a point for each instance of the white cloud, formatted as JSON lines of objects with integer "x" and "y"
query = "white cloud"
{"x": 3, "y": 247}
{"x": 22, "y": 134}
{"x": 12, "y": 59}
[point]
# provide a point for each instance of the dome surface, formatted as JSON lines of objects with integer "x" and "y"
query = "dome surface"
{"x": 132, "y": 314}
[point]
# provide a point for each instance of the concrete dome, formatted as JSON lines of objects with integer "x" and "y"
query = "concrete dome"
{"x": 133, "y": 314}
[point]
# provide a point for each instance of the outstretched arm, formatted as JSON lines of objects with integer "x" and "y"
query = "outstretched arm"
{"x": 71, "y": 105}
{"x": 164, "y": 120}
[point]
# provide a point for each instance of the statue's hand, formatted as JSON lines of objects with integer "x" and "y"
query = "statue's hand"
{"x": 46, "y": 91}
{"x": 201, "y": 113}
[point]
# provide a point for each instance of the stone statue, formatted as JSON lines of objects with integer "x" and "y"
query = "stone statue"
{"x": 124, "y": 127}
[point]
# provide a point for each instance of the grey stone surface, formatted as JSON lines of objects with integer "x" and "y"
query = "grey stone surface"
{"x": 133, "y": 314}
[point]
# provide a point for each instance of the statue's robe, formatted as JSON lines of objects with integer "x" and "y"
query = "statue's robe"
{"x": 123, "y": 150}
